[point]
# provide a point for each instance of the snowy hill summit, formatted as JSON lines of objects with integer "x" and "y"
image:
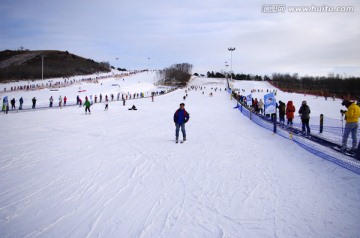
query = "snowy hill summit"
{"x": 119, "y": 172}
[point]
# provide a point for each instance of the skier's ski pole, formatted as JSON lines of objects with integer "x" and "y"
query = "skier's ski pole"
{"x": 342, "y": 123}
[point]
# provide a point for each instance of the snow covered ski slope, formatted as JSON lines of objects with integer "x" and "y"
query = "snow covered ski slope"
{"x": 118, "y": 173}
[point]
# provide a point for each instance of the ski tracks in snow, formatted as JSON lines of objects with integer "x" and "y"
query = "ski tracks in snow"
{"x": 123, "y": 176}
{"x": 168, "y": 208}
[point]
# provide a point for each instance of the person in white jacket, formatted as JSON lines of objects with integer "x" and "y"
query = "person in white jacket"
{"x": 260, "y": 106}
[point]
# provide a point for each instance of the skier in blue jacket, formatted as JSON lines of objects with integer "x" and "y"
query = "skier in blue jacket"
{"x": 181, "y": 117}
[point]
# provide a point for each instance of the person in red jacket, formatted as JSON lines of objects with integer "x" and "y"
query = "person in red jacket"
{"x": 290, "y": 110}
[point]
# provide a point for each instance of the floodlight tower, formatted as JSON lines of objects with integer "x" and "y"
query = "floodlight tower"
{"x": 227, "y": 70}
{"x": 231, "y": 50}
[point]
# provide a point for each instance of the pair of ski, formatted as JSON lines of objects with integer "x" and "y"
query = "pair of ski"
{"x": 297, "y": 132}
{"x": 177, "y": 141}
{"x": 326, "y": 143}
{"x": 347, "y": 152}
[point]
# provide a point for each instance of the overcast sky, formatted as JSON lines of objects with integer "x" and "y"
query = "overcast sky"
{"x": 154, "y": 34}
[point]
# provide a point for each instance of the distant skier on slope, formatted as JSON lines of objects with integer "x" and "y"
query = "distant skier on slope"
{"x": 34, "y": 102}
{"x": 181, "y": 116}
{"x": 106, "y": 104}
{"x": 51, "y": 100}
{"x": 87, "y": 105}
{"x": 60, "y": 101}
{"x": 133, "y": 108}
{"x": 13, "y": 104}
{"x": 21, "y": 100}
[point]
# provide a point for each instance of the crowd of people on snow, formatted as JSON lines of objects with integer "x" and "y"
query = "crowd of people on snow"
{"x": 55, "y": 84}
{"x": 351, "y": 115}
{"x": 62, "y": 101}
{"x": 66, "y": 81}
{"x": 285, "y": 110}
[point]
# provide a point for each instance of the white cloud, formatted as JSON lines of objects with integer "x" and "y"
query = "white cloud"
{"x": 197, "y": 32}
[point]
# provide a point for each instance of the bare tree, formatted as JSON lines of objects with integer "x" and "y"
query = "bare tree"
{"x": 177, "y": 74}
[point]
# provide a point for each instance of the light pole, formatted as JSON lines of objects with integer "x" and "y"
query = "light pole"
{"x": 231, "y": 50}
{"x": 227, "y": 72}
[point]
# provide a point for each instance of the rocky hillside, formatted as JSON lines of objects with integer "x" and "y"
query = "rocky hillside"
{"x": 25, "y": 65}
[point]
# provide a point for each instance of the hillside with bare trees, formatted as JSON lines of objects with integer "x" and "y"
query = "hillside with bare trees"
{"x": 27, "y": 65}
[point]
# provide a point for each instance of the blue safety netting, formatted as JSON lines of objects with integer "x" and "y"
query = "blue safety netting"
{"x": 331, "y": 134}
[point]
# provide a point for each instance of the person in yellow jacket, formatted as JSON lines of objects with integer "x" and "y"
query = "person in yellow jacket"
{"x": 352, "y": 118}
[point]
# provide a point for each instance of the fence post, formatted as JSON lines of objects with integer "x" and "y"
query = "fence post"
{"x": 274, "y": 121}
{"x": 321, "y": 122}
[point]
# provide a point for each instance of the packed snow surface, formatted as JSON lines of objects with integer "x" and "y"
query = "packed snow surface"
{"x": 118, "y": 173}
